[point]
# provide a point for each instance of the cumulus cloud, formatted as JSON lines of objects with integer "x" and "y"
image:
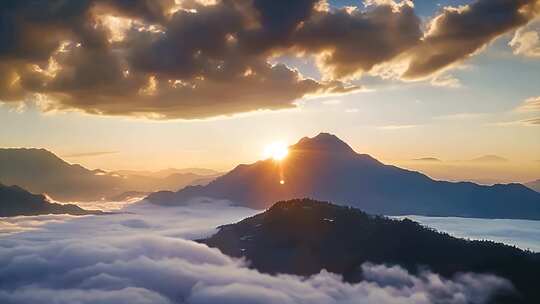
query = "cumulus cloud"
{"x": 347, "y": 43}
{"x": 195, "y": 59}
{"x": 526, "y": 40}
{"x": 150, "y": 58}
{"x": 146, "y": 256}
{"x": 457, "y": 33}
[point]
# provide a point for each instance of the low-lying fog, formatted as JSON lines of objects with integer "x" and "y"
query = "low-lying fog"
{"x": 146, "y": 255}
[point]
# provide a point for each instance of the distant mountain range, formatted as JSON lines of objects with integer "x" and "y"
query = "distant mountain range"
{"x": 41, "y": 171}
{"x": 535, "y": 185}
{"x": 15, "y": 201}
{"x": 303, "y": 237}
{"x": 326, "y": 168}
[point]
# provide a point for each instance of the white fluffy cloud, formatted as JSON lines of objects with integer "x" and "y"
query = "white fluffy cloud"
{"x": 146, "y": 256}
{"x": 526, "y": 40}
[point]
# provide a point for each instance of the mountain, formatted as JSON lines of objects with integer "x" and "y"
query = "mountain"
{"x": 41, "y": 171}
{"x": 15, "y": 201}
{"x": 535, "y": 185}
{"x": 326, "y": 168}
{"x": 303, "y": 237}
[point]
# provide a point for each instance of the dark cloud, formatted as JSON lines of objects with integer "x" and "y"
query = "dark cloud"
{"x": 352, "y": 42}
{"x": 144, "y": 256}
{"x": 188, "y": 65}
{"x": 457, "y": 33}
{"x": 199, "y": 59}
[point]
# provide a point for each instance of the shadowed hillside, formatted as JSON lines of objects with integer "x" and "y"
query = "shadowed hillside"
{"x": 535, "y": 185}
{"x": 305, "y": 236}
{"x": 326, "y": 168}
{"x": 16, "y": 201}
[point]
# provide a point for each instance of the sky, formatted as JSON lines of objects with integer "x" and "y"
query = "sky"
{"x": 211, "y": 83}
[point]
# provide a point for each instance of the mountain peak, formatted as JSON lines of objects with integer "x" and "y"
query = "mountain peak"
{"x": 323, "y": 142}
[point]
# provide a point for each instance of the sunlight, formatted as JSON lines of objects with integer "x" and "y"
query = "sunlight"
{"x": 277, "y": 151}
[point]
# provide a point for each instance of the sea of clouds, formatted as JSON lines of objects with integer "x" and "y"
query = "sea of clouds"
{"x": 145, "y": 254}
{"x": 524, "y": 234}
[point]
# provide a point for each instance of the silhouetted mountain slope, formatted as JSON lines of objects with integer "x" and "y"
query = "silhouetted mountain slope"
{"x": 16, "y": 201}
{"x": 535, "y": 185}
{"x": 326, "y": 168}
{"x": 41, "y": 171}
{"x": 304, "y": 236}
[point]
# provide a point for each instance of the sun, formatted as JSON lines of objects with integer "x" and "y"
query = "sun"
{"x": 277, "y": 151}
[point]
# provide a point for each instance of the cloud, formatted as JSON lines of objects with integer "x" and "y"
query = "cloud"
{"x": 397, "y": 127}
{"x": 89, "y": 154}
{"x": 461, "y": 116}
{"x": 530, "y": 105}
{"x": 528, "y": 122}
{"x": 457, "y": 33}
{"x": 145, "y": 256}
{"x": 196, "y": 62}
{"x": 523, "y": 234}
{"x": 448, "y": 81}
{"x": 526, "y": 41}
{"x": 198, "y": 59}
{"x": 331, "y": 102}
{"x": 347, "y": 43}
{"x": 531, "y": 121}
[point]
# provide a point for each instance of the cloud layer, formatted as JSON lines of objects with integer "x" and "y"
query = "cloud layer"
{"x": 520, "y": 233}
{"x": 197, "y": 58}
{"x": 145, "y": 256}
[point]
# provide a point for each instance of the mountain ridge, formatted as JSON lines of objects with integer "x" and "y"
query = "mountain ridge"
{"x": 41, "y": 171}
{"x": 534, "y": 185}
{"x": 16, "y": 201}
{"x": 313, "y": 169}
{"x": 304, "y": 236}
